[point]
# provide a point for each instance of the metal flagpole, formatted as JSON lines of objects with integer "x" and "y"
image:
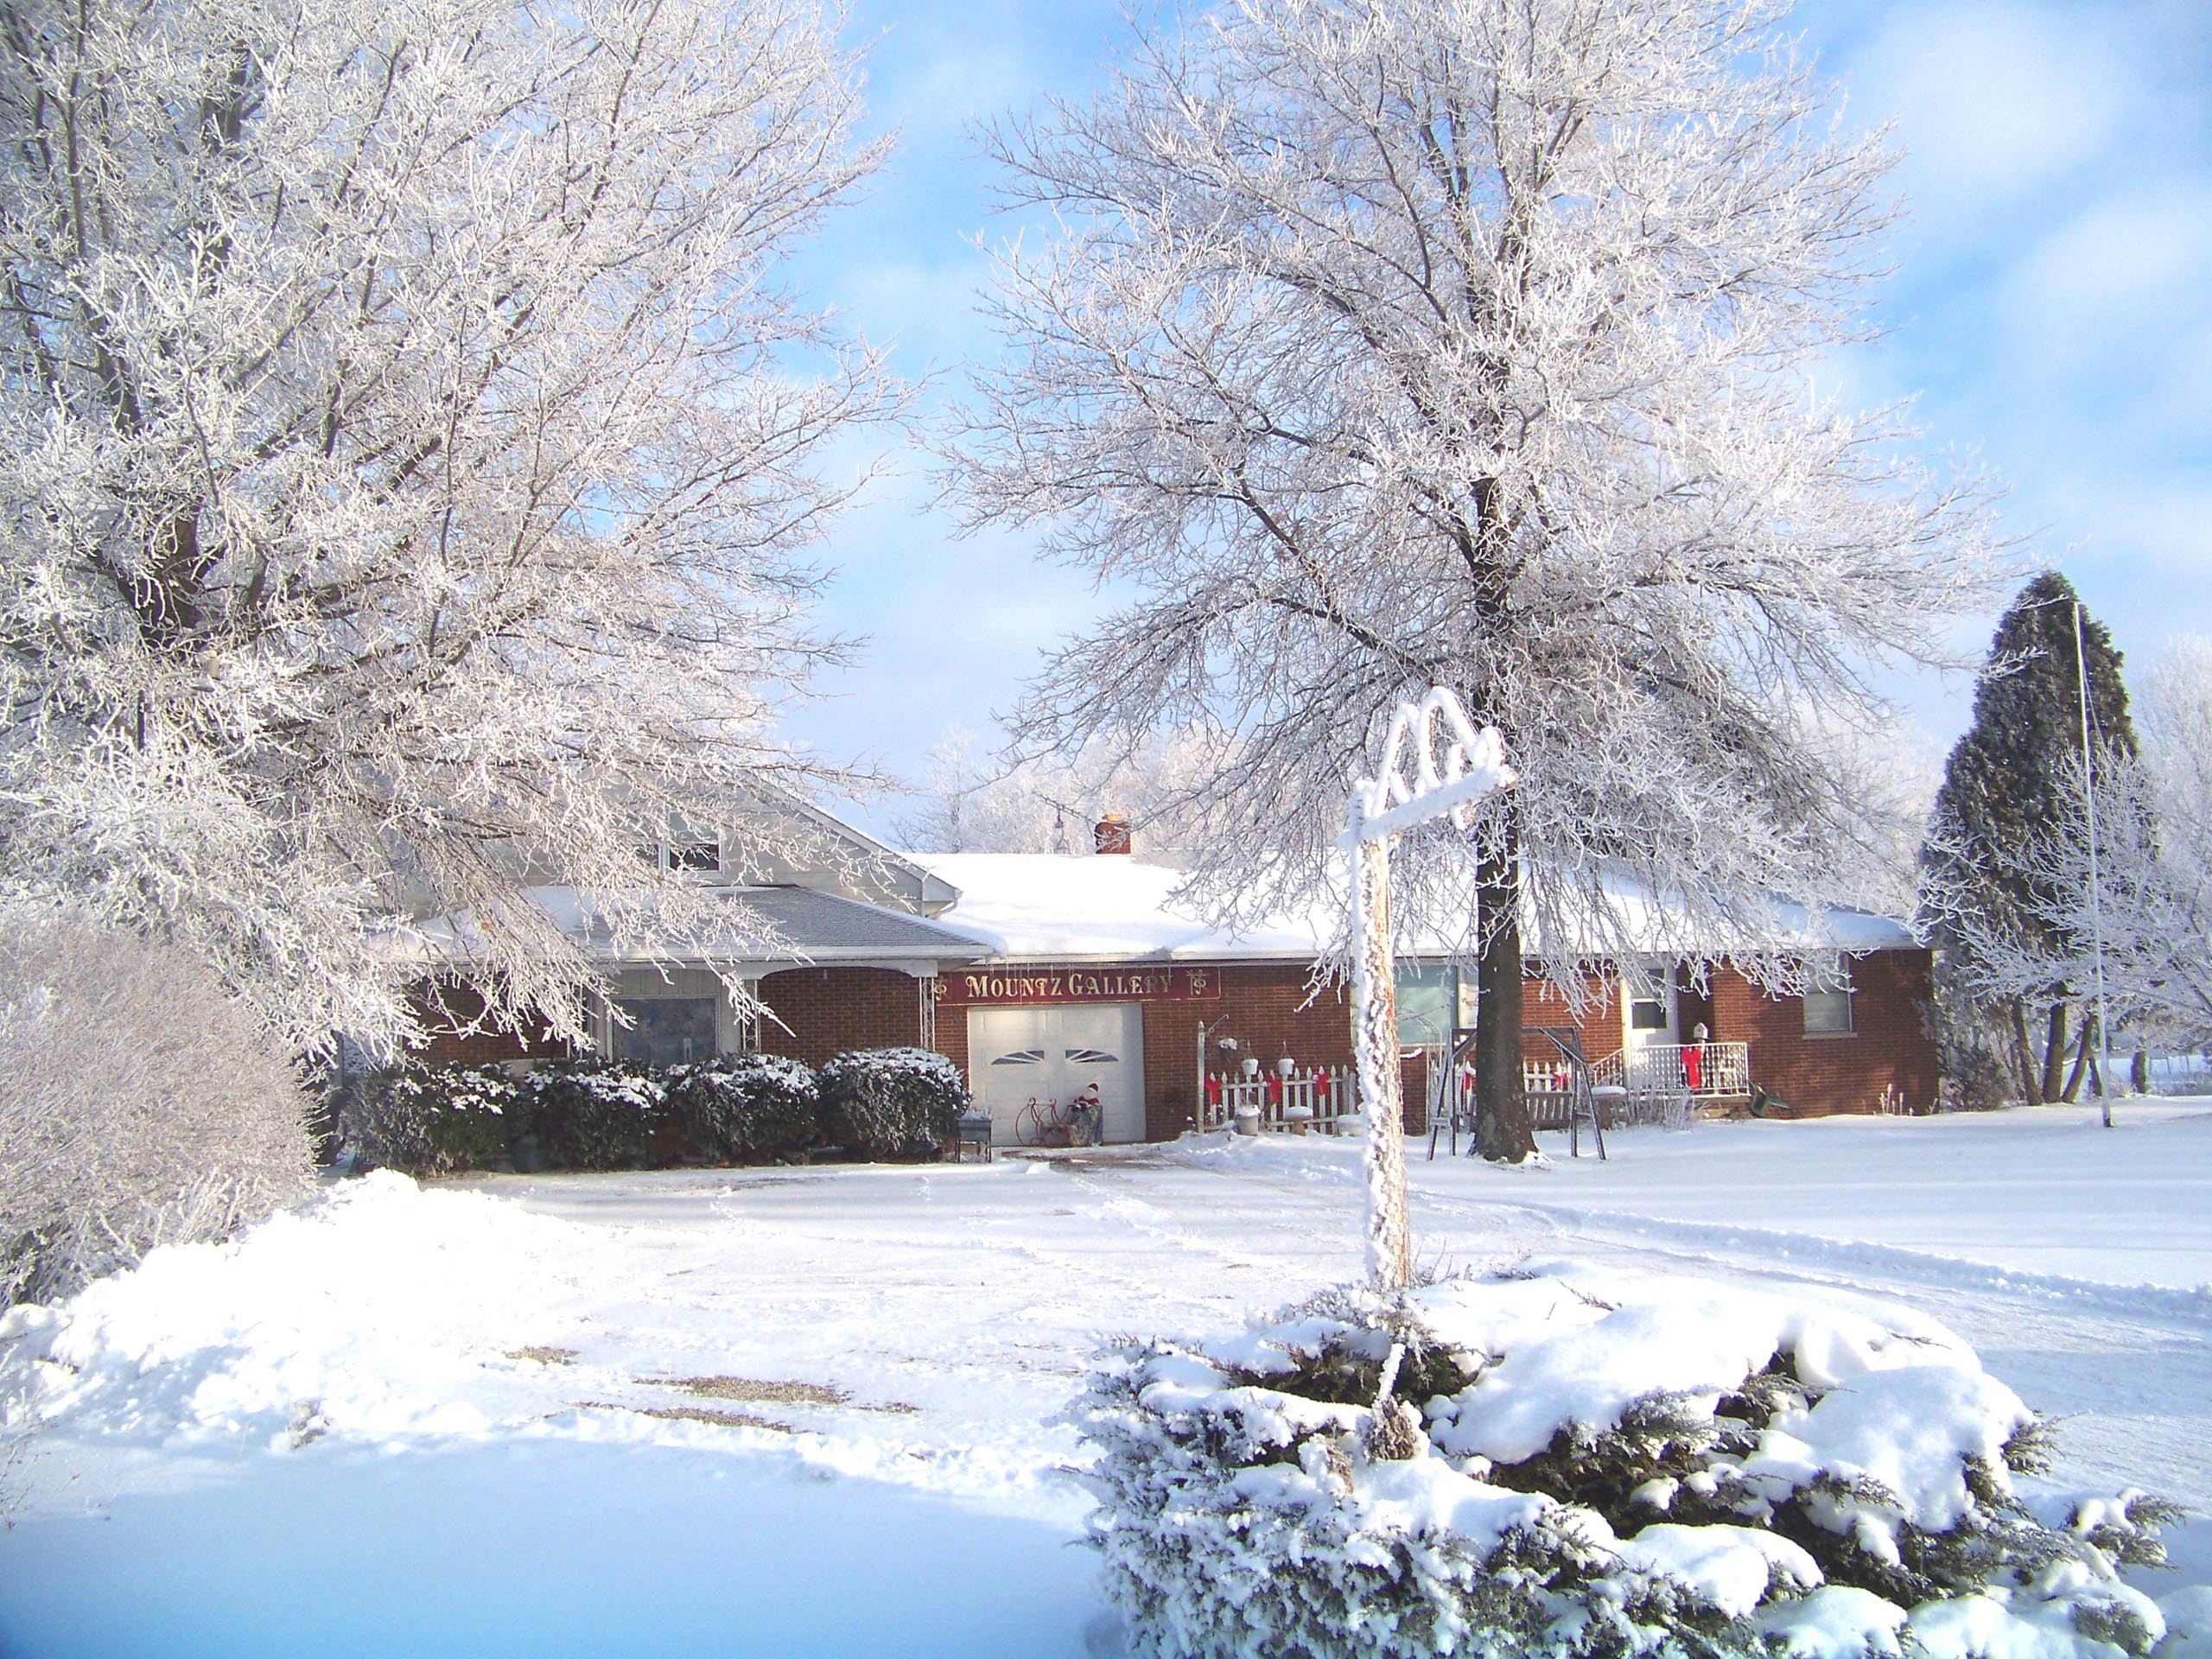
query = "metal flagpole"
{"x": 2096, "y": 885}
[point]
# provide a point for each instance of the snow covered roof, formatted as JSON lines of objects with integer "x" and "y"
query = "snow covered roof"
{"x": 769, "y": 926}
{"x": 1062, "y": 908}
{"x": 1058, "y": 907}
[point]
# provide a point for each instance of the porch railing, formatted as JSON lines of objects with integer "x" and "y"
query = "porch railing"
{"x": 1703, "y": 1069}
{"x": 1314, "y": 1101}
{"x": 1660, "y": 1083}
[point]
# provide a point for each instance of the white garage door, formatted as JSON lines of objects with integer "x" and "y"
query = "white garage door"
{"x": 1018, "y": 1055}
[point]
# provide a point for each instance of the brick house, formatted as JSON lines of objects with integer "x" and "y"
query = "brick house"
{"x": 1043, "y": 974}
{"x": 1093, "y": 967}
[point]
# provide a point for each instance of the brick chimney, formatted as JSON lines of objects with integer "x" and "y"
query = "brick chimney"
{"x": 1111, "y": 834}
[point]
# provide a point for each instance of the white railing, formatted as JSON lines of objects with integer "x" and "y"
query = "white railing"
{"x": 1315, "y": 1101}
{"x": 1704, "y": 1069}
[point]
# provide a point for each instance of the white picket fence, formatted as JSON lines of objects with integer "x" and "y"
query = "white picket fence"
{"x": 1312, "y": 1101}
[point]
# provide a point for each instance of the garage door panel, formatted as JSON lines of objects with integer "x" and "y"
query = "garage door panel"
{"x": 1017, "y": 1055}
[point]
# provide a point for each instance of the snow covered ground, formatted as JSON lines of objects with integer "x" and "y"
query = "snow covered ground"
{"x": 810, "y": 1411}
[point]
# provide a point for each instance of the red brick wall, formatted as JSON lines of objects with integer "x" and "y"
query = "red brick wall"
{"x": 1846, "y": 1072}
{"x": 1271, "y": 1012}
{"x": 450, "y": 1044}
{"x": 1543, "y": 1003}
{"x": 819, "y": 1012}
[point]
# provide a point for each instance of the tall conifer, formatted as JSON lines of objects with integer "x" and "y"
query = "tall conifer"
{"x": 2010, "y": 782}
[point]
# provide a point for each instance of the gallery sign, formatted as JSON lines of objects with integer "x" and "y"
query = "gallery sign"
{"x": 984, "y": 987}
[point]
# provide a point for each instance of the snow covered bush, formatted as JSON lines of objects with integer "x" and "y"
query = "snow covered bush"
{"x": 892, "y": 1102}
{"x": 138, "y": 1106}
{"x": 1559, "y": 1465}
{"x": 431, "y": 1119}
{"x": 738, "y": 1109}
{"x": 599, "y": 1115}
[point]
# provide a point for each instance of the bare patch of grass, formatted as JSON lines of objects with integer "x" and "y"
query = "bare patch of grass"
{"x": 693, "y": 1414}
{"x": 544, "y": 1356}
{"x": 772, "y": 1392}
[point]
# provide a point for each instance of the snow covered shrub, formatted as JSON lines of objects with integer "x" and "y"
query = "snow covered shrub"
{"x": 138, "y": 1106}
{"x": 598, "y": 1115}
{"x": 745, "y": 1108}
{"x": 892, "y": 1102}
{"x": 430, "y": 1120}
{"x": 1562, "y": 1467}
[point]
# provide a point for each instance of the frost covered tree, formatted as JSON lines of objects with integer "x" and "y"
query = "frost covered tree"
{"x": 974, "y": 802}
{"x": 139, "y": 1105}
{"x": 2009, "y": 810}
{"x": 2151, "y": 878}
{"x": 1391, "y": 345}
{"x": 406, "y": 452}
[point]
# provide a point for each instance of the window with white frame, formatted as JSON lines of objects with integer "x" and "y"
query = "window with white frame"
{"x": 1827, "y": 999}
{"x": 1428, "y": 1003}
{"x": 701, "y": 856}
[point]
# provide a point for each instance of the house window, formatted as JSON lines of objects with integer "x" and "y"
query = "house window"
{"x": 1647, "y": 1014}
{"x": 683, "y": 855}
{"x": 1828, "y": 1002}
{"x": 1428, "y": 1003}
{"x": 664, "y": 1030}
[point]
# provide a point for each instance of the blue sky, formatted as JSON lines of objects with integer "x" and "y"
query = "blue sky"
{"x": 2052, "y": 311}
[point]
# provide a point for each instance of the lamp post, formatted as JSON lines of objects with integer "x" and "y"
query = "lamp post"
{"x": 2096, "y": 887}
{"x": 1435, "y": 765}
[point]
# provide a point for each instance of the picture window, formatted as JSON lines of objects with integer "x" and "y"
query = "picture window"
{"x": 664, "y": 1030}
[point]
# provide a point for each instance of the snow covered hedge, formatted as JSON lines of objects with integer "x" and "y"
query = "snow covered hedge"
{"x": 139, "y": 1105}
{"x": 895, "y": 1102}
{"x": 1566, "y": 1466}
{"x": 600, "y": 1115}
{"x": 431, "y": 1119}
{"x": 745, "y": 1108}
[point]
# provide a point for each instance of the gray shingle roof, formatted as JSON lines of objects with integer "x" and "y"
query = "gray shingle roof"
{"x": 821, "y": 924}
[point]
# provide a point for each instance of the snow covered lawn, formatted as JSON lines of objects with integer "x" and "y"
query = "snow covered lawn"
{"x": 810, "y": 1411}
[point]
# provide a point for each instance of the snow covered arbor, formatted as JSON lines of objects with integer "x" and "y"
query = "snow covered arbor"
{"x": 1435, "y": 764}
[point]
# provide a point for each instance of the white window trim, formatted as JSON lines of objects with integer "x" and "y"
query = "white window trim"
{"x": 1831, "y": 979}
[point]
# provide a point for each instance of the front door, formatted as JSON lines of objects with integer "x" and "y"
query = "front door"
{"x": 1049, "y": 1055}
{"x": 1649, "y": 1019}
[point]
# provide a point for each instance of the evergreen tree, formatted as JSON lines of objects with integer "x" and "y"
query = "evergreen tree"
{"x": 2013, "y": 783}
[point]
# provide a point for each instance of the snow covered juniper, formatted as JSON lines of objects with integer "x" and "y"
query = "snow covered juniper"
{"x": 1555, "y": 1464}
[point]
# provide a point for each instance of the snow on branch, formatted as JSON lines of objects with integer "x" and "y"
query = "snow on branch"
{"x": 1354, "y": 393}
{"x": 1444, "y": 782}
{"x": 409, "y": 455}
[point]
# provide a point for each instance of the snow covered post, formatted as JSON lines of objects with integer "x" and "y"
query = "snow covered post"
{"x": 1447, "y": 783}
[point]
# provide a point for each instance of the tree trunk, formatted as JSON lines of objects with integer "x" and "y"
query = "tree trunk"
{"x": 2139, "y": 1074}
{"x": 2024, "y": 1062}
{"x": 2054, "y": 1052}
{"x": 2081, "y": 1061}
{"x": 1502, "y": 1133}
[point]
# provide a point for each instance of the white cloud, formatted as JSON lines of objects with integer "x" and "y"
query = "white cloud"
{"x": 2115, "y": 305}
{"x": 1991, "y": 101}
